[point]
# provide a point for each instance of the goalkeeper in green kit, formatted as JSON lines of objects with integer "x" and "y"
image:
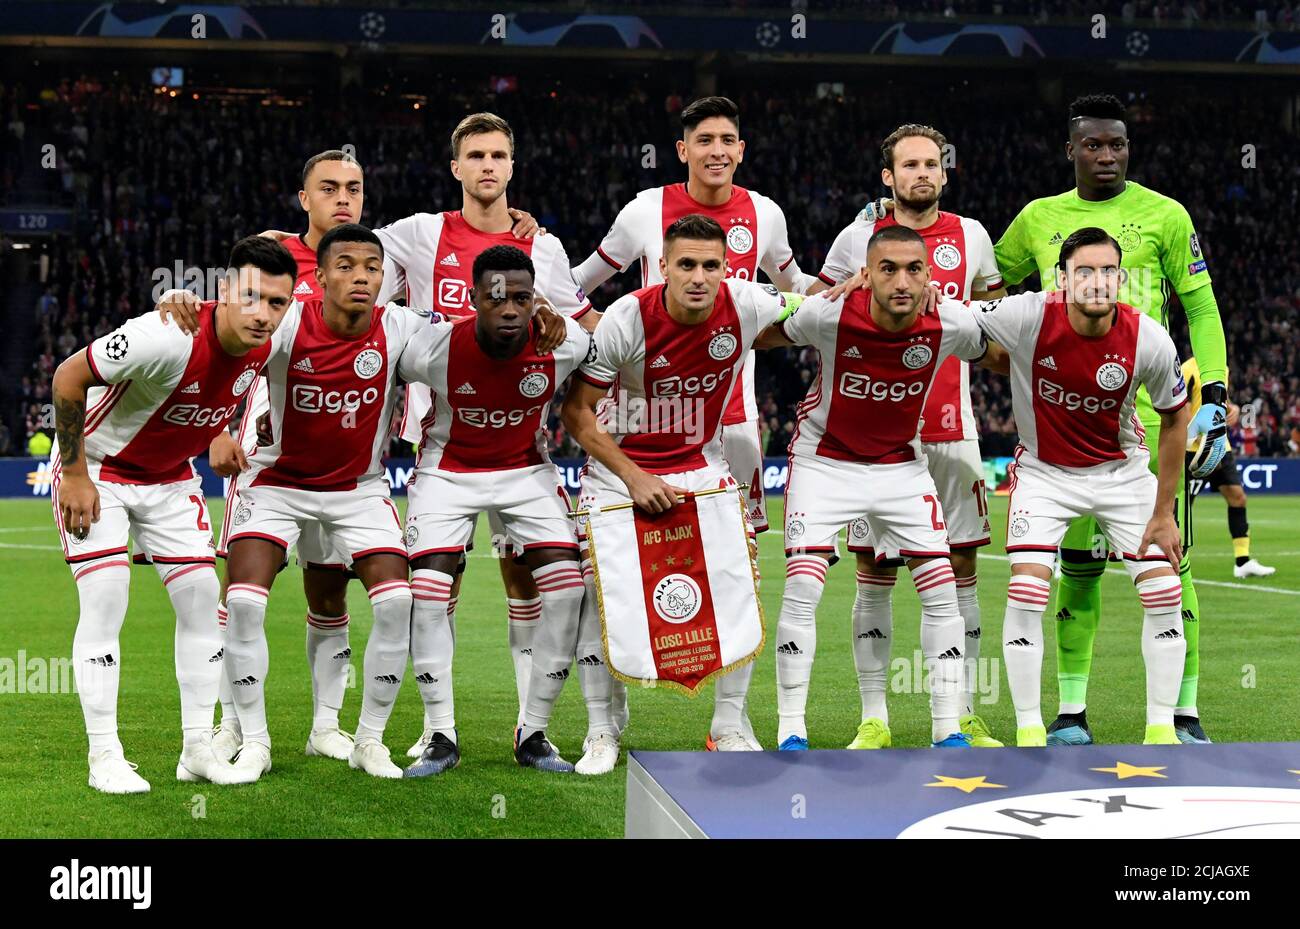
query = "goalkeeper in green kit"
{"x": 1161, "y": 257}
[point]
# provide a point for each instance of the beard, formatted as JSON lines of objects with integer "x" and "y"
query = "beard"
{"x": 917, "y": 205}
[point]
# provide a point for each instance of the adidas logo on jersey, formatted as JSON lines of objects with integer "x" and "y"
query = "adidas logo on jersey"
{"x": 302, "y": 290}
{"x": 789, "y": 648}
{"x": 451, "y": 261}
{"x": 1023, "y": 643}
{"x": 426, "y": 678}
{"x": 1169, "y": 634}
{"x": 592, "y": 660}
{"x": 104, "y": 661}
{"x": 221, "y": 653}
{"x": 851, "y": 352}
{"x": 305, "y": 366}
{"x": 952, "y": 653}
{"x": 1049, "y": 363}
{"x": 872, "y": 634}
{"x": 386, "y": 679}
{"x": 660, "y": 362}
{"x": 245, "y": 681}
{"x": 191, "y": 388}
{"x": 1055, "y": 239}
{"x": 466, "y": 388}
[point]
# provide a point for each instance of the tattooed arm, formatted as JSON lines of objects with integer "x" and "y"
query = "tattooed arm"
{"x": 78, "y": 498}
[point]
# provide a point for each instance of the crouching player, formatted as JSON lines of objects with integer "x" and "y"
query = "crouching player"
{"x": 1077, "y": 359}
{"x": 157, "y": 398}
{"x": 484, "y": 451}
{"x": 857, "y": 460}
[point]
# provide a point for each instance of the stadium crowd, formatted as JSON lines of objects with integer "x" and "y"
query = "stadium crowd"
{"x": 157, "y": 179}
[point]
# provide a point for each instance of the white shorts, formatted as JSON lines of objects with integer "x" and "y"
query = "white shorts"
{"x": 1045, "y": 499}
{"x": 358, "y": 522}
{"x": 892, "y": 510}
{"x": 744, "y": 454}
{"x": 169, "y": 522}
{"x": 602, "y": 488}
{"x": 443, "y": 506}
{"x": 315, "y": 547}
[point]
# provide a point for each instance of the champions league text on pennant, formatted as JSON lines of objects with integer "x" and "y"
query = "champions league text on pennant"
{"x": 677, "y": 591}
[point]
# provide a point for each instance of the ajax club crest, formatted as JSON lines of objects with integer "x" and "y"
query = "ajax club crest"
{"x": 739, "y": 240}
{"x": 677, "y": 598}
{"x": 917, "y": 356}
{"x": 1111, "y": 376}
{"x": 722, "y": 346}
{"x": 242, "y": 383}
{"x": 534, "y": 384}
{"x": 368, "y": 363}
{"x": 947, "y": 256}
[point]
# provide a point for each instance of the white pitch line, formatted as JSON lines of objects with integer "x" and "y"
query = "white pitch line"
{"x": 1200, "y": 582}
{"x": 28, "y": 529}
{"x": 34, "y": 548}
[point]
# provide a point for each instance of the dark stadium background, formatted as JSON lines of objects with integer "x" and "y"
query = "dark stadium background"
{"x": 154, "y": 175}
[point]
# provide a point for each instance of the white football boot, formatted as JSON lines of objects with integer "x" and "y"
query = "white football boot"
{"x": 1252, "y": 568}
{"x": 747, "y": 728}
{"x": 731, "y": 740}
{"x": 253, "y": 760}
{"x": 330, "y": 743}
{"x": 371, "y": 756}
{"x": 111, "y": 773}
{"x": 416, "y": 750}
{"x": 599, "y": 755}
{"x": 201, "y": 763}
{"x": 227, "y": 738}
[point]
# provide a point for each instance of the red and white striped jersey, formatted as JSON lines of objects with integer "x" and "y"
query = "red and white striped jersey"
{"x": 865, "y": 403}
{"x": 1073, "y": 395}
{"x": 430, "y": 257}
{"x": 756, "y": 238}
{"x": 488, "y": 414}
{"x": 671, "y": 381}
{"x": 961, "y": 261}
{"x": 331, "y": 398}
{"x": 163, "y": 397}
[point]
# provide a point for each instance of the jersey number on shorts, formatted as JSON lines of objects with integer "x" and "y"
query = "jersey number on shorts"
{"x": 935, "y": 521}
{"x": 981, "y": 499}
{"x": 202, "y": 523}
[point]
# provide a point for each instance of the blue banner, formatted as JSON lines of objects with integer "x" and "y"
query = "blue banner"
{"x": 797, "y": 33}
{"x": 30, "y": 477}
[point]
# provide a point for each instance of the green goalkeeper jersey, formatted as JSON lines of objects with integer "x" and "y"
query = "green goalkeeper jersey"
{"x": 1162, "y": 256}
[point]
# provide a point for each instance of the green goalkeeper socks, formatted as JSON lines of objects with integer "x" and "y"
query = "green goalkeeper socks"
{"x": 1186, "y": 705}
{"x": 1078, "y": 610}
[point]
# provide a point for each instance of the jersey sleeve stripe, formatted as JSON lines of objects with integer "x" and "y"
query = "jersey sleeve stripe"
{"x": 1173, "y": 409}
{"x": 90, "y": 359}
{"x": 582, "y": 312}
{"x": 609, "y": 261}
{"x": 594, "y": 381}
{"x": 822, "y": 276}
{"x": 785, "y": 264}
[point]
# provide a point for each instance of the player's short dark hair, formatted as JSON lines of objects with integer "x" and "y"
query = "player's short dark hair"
{"x": 1088, "y": 235}
{"x": 695, "y": 226}
{"x": 501, "y": 258}
{"x": 333, "y": 154}
{"x": 907, "y": 131}
{"x": 346, "y": 232}
{"x": 895, "y": 234}
{"x": 1096, "y": 106}
{"x": 478, "y": 124}
{"x": 265, "y": 254}
{"x": 707, "y": 107}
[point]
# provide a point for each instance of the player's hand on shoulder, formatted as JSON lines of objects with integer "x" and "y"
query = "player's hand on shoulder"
{"x": 225, "y": 456}
{"x": 278, "y": 234}
{"x": 182, "y": 308}
{"x": 553, "y": 328}
{"x": 876, "y": 210}
{"x": 651, "y": 493}
{"x": 525, "y": 226}
{"x": 857, "y": 282}
{"x": 78, "y": 503}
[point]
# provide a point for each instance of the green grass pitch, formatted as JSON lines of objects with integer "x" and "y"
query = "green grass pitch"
{"x": 1249, "y": 692}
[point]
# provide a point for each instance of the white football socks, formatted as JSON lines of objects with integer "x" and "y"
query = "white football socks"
{"x": 229, "y": 715}
{"x": 102, "y": 588}
{"x": 873, "y": 632}
{"x": 593, "y": 676}
{"x": 433, "y": 649}
{"x": 1163, "y": 646}
{"x": 1022, "y": 645}
{"x": 194, "y": 590}
{"x": 329, "y": 655}
{"x": 247, "y": 659}
{"x": 561, "y": 586}
{"x": 796, "y": 636}
{"x": 941, "y": 643}
{"x": 968, "y": 604}
{"x": 386, "y": 652}
{"x": 523, "y": 618}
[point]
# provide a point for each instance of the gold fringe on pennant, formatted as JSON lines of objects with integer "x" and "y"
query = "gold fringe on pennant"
{"x": 656, "y": 682}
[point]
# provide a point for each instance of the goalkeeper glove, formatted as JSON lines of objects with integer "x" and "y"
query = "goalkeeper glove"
{"x": 1211, "y": 422}
{"x": 876, "y": 210}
